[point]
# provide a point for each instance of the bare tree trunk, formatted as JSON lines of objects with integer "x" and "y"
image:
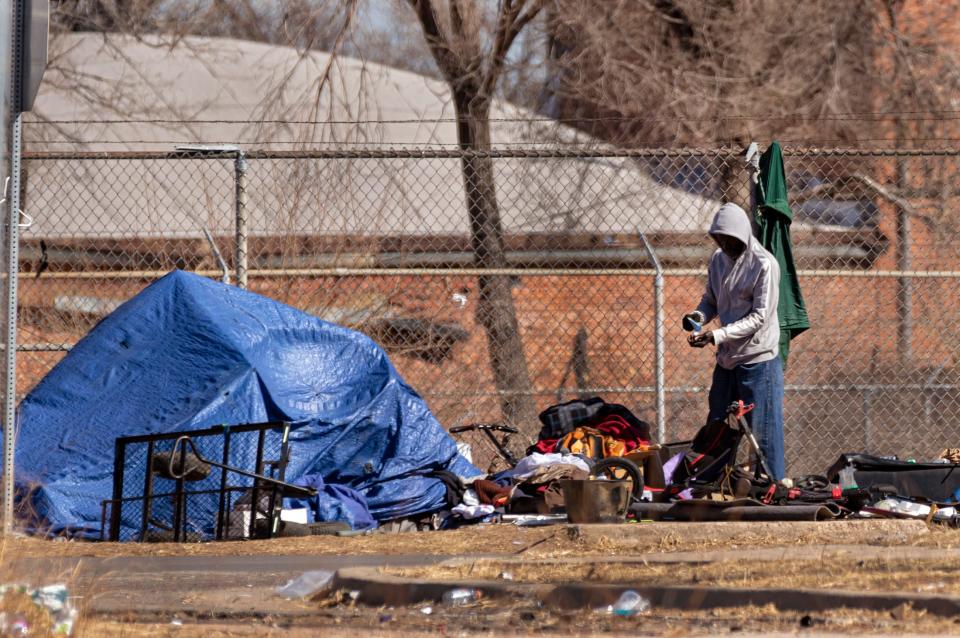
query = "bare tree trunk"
{"x": 495, "y": 309}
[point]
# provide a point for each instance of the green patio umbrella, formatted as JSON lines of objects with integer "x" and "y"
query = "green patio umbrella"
{"x": 773, "y": 216}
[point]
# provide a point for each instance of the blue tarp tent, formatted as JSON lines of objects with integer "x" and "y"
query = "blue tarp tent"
{"x": 188, "y": 353}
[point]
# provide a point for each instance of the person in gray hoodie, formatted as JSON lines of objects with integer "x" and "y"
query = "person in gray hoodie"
{"x": 742, "y": 291}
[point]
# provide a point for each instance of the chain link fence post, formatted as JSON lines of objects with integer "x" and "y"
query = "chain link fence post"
{"x": 12, "y": 195}
{"x": 904, "y": 264}
{"x": 658, "y": 342}
{"x": 240, "y": 177}
{"x": 10, "y": 343}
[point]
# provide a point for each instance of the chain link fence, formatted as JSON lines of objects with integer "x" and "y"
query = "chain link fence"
{"x": 503, "y": 282}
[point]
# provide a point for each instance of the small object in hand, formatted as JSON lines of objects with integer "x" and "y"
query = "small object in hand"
{"x": 692, "y": 322}
{"x": 700, "y": 339}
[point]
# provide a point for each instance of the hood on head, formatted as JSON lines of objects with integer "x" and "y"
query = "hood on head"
{"x": 733, "y": 221}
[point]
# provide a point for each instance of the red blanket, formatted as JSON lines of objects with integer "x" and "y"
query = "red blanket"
{"x": 611, "y": 425}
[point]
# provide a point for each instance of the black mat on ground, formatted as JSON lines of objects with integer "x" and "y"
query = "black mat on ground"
{"x": 737, "y": 510}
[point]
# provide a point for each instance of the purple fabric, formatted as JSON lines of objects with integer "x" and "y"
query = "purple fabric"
{"x": 333, "y": 503}
{"x": 670, "y": 467}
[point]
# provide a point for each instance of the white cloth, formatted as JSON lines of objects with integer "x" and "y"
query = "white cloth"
{"x": 470, "y": 512}
{"x": 470, "y": 497}
{"x": 743, "y": 293}
{"x": 528, "y": 464}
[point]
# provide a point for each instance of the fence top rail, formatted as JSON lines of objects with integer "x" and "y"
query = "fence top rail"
{"x": 381, "y": 153}
{"x": 495, "y": 152}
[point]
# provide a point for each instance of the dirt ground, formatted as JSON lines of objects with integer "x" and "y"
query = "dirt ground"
{"x": 837, "y": 572}
{"x": 536, "y": 548}
{"x": 491, "y": 618}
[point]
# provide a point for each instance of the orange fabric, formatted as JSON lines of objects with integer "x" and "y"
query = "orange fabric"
{"x": 591, "y": 443}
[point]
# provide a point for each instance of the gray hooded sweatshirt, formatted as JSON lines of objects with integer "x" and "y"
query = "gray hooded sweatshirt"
{"x": 744, "y": 293}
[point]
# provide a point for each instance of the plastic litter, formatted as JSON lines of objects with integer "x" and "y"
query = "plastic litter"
{"x": 306, "y": 584}
{"x": 426, "y": 610}
{"x": 461, "y": 596}
{"x": 847, "y": 482}
{"x": 54, "y": 599}
{"x": 910, "y": 509}
{"x": 630, "y": 603}
{"x": 899, "y": 506}
{"x": 18, "y": 627}
{"x": 534, "y": 520}
{"x": 506, "y": 576}
{"x": 945, "y": 514}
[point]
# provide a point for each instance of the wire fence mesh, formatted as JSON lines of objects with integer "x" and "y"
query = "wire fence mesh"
{"x": 502, "y": 282}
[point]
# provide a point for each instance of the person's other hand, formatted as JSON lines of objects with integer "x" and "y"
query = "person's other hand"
{"x": 701, "y": 340}
{"x": 692, "y": 321}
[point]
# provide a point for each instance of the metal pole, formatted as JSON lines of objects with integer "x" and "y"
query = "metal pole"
{"x": 6, "y": 102}
{"x": 658, "y": 342}
{"x": 900, "y": 98}
{"x": 868, "y": 421}
{"x": 7, "y": 82}
{"x": 13, "y": 245}
{"x": 116, "y": 507}
{"x": 904, "y": 284}
{"x": 10, "y": 389}
{"x": 752, "y": 162}
{"x": 225, "y": 276}
{"x": 240, "y": 176}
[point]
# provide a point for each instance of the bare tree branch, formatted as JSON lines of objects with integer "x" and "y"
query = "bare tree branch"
{"x": 439, "y": 45}
{"x": 510, "y": 23}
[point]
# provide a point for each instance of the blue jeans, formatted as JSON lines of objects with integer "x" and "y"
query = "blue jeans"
{"x": 762, "y": 385}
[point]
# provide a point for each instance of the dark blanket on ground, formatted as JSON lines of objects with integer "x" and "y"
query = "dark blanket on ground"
{"x": 737, "y": 510}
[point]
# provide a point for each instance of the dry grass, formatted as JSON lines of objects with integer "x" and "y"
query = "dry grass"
{"x": 116, "y": 629}
{"x": 883, "y": 574}
{"x": 479, "y": 539}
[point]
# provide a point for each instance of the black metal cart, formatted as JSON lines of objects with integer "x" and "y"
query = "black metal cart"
{"x": 158, "y": 478}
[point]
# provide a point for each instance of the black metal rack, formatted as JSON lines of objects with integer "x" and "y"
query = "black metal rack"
{"x": 162, "y": 461}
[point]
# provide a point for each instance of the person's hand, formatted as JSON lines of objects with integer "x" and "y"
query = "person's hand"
{"x": 692, "y": 321}
{"x": 701, "y": 340}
